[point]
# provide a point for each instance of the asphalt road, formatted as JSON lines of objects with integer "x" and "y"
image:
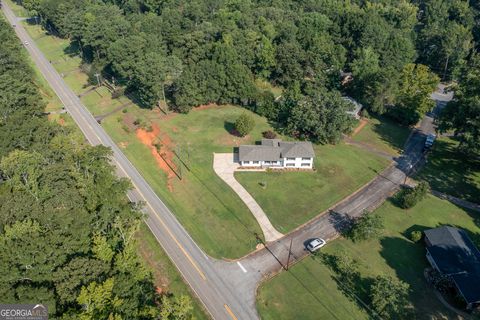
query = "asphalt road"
{"x": 227, "y": 289}
{"x": 214, "y": 290}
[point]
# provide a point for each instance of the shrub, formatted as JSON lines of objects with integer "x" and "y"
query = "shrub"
{"x": 124, "y": 110}
{"x": 416, "y": 236}
{"x": 366, "y": 227}
{"x": 269, "y": 134}
{"x": 125, "y": 128}
{"x": 409, "y": 197}
{"x": 118, "y": 92}
{"x": 119, "y": 119}
{"x": 364, "y": 113}
{"x": 137, "y": 122}
{"x": 244, "y": 124}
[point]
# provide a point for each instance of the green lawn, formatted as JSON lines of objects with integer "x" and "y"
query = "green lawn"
{"x": 450, "y": 172}
{"x": 384, "y": 135}
{"x": 307, "y": 291}
{"x": 165, "y": 274}
{"x": 18, "y": 10}
{"x": 393, "y": 254}
{"x": 212, "y": 213}
{"x": 292, "y": 198}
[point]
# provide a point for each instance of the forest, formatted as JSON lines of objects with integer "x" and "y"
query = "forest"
{"x": 66, "y": 226}
{"x": 198, "y": 52}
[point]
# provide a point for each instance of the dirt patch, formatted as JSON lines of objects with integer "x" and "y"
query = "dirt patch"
{"x": 361, "y": 125}
{"x": 128, "y": 120}
{"x": 161, "y": 147}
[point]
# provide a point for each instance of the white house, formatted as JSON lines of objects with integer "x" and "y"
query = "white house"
{"x": 274, "y": 153}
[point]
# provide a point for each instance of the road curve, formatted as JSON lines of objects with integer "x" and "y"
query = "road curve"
{"x": 213, "y": 288}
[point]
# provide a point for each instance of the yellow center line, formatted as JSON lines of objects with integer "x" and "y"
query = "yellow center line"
{"x": 121, "y": 167}
{"x": 166, "y": 228}
{"x": 230, "y": 312}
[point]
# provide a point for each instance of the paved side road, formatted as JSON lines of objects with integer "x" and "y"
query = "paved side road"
{"x": 328, "y": 226}
{"x": 214, "y": 288}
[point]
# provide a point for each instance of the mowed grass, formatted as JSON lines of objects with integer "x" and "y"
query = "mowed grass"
{"x": 166, "y": 277}
{"x": 18, "y": 10}
{"x": 308, "y": 292}
{"x": 451, "y": 172}
{"x": 383, "y": 134}
{"x": 392, "y": 254}
{"x": 165, "y": 274}
{"x": 292, "y": 198}
{"x": 212, "y": 213}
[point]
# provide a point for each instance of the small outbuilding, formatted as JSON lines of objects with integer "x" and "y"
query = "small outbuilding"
{"x": 452, "y": 253}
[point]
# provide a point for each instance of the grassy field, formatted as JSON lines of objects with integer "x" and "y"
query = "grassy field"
{"x": 450, "y": 172}
{"x": 384, "y": 135}
{"x": 292, "y": 198}
{"x": 308, "y": 289}
{"x": 166, "y": 276}
{"x": 222, "y": 226}
{"x": 18, "y": 10}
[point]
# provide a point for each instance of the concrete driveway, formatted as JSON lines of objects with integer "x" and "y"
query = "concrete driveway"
{"x": 224, "y": 165}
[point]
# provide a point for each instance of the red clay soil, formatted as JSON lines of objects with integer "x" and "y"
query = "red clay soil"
{"x": 164, "y": 159}
{"x": 361, "y": 125}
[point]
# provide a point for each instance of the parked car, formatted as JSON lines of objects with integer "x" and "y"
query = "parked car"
{"x": 429, "y": 141}
{"x": 315, "y": 244}
{"x": 25, "y": 43}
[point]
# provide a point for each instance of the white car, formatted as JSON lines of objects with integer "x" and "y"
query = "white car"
{"x": 25, "y": 43}
{"x": 315, "y": 244}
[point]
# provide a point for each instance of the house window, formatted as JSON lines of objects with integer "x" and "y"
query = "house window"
{"x": 267, "y": 162}
{"x": 290, "y": 164}
{"x": 306, "y": 159}
{"x": 256, "y": 162}
{"x": 246, "y": 162}
{"x": 290, "y": 159}
{"x": 305, "y": 164}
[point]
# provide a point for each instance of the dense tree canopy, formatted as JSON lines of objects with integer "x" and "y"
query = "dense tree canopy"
{"x": 197, "y": 52}
{"x": 66, "y": 225}
{"x": 462, "y": 114}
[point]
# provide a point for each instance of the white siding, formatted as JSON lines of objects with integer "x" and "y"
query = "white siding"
{"x": 302, "y": 163}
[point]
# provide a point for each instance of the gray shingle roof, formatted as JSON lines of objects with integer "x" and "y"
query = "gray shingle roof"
{"x": 275, "y": 150}
{"x": 456, "y": 255}
{"x": 259, "y": 153}
{"x": 297, "y": 149}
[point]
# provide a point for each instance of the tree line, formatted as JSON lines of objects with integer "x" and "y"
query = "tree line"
{"x": 213, "y": 51}
{"x": 66, "y": 226}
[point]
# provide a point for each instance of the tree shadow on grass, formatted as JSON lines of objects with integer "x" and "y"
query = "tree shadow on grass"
{"x": 409, "y": 261}
{"x": 451, "y": 172}
{"x": 391, "y": 132}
